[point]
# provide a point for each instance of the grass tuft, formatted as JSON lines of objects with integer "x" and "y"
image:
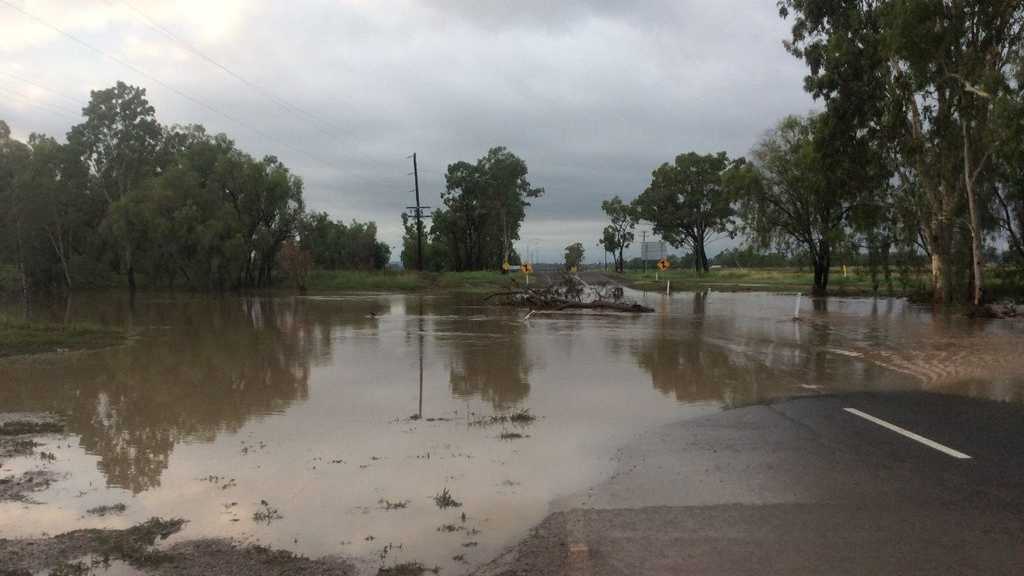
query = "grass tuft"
{"x": 444, "y": 500}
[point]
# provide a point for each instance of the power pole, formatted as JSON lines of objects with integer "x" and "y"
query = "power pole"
{"x": 643, "y": 256}
{"x": 419, "y": 215}
{"x": 417, "y": 211}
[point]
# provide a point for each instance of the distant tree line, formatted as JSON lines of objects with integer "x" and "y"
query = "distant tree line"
{"x": 175, "y": 205}
{"x": 918, "y": 151}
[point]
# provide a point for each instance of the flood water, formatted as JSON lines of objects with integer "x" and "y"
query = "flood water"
{"x": 328, "y": 410}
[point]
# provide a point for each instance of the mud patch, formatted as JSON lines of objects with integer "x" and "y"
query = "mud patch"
{"x": 223, "y": 557}
{"x": 26, "y": 423}
{"x": 18, "y": 488}
{"x": 135, "y": 546}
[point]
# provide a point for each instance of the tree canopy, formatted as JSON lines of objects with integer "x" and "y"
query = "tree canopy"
{"x": 174, "y": 205}
{"x": 619, "y": 234}
{"x": 484, "y": 205}
{"x": 686, "y": 202}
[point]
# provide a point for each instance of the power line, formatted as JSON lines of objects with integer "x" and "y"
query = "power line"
{"x": 165, "y": 85}
{"x": 316, "y": 119}
{"x": 43, "y": 88}
{"x": 40, "y": 105}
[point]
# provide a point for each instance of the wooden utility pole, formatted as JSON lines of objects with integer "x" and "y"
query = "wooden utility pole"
{"x": 643, "y": 240}
{"x": 418, "y": 213}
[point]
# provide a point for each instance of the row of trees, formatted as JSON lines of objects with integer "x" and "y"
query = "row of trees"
{"x": 177, "y": 205}
{"x": 918, "y": 147}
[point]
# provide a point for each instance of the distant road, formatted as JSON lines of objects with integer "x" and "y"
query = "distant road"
{"x": 861, "y": 484}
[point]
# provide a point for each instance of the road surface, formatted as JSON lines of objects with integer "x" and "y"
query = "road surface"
{"x": 907, "y": 483}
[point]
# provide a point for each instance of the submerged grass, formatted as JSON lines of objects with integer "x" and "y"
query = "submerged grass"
{"x": 406, "y": 281}
{"x": 856, "y": 282}
{"x": 521, "y": 417}
{"x": 407, "y": 569}
{"x": 370, "y": 281}
{"x": 444, "y": 499}
{"x": 19, "y": 337}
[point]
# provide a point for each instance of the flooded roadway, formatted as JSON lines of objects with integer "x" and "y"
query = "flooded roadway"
{"x": 327, "y": 425}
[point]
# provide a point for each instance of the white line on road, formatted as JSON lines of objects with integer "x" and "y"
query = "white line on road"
{"x": 929, "y": 443}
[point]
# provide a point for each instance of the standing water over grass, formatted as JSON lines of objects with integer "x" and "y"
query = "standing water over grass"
{"x": 401, "y": 428}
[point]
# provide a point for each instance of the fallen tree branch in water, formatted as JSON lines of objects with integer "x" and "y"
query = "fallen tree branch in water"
{"x": 570, "y": 293}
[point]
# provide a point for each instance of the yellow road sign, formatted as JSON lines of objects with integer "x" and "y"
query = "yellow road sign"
{"x": 505, "y": 266}
{"x": 527, "y": 268}
{"x": 664, "y": 264}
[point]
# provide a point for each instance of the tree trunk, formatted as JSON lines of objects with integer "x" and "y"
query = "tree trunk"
{"x": 972, "y": 209}
{"x": 822, "y": 262}
{"x": 620, "y": 265}
{"x": 939, "y": 243}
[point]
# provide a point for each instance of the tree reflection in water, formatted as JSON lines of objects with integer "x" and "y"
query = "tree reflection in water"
{"x": 212, "y": 366}
{"x": 492, "y": 365}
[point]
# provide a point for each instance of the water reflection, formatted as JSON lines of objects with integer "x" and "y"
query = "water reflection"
{"x": 216, "y": 367}
{"x": 492, "y": 365}
{"x": 683, "y": 362}
{"x": 202, "y": 367}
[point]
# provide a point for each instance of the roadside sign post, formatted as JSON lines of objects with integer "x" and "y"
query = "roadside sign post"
{"x": 664, "y": 265}
{"x": 527, "y": 270}
{"x": 653, "y": 250}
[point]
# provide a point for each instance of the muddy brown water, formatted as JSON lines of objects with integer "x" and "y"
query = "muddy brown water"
{"x": 222, "y": 408}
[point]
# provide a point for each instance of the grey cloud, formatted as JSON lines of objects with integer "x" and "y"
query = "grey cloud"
{"x": 593, "y": 95}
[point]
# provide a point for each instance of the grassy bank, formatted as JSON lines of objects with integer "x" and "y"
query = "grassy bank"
{"x": 395, "y": 281}
{"x": 372, "y": 281}
{"x": 17, "y": 337}
{"x": 856, "y": 282}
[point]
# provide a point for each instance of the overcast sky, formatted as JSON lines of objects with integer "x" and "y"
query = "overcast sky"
{"x": 593, "y": 95}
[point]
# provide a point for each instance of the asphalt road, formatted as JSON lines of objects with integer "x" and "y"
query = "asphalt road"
{"x": 804, "y": 486}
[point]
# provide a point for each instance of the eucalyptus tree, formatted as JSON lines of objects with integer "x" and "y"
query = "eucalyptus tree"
{"x": 119, "y": 141}
{"x": 484, "y": 207}
{"x": 619, "y": 234}
{"x": 926, "y": 73}
{"x": 687, "y": 203}
{"x": 574, "y": 255}
{"x": 787, "y": 194}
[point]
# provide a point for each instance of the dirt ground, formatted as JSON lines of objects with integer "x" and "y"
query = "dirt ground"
{"x": 80, "y": 551}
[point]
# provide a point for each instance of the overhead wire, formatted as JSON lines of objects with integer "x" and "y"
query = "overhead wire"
{"x": 163, "y": 84}
{"x": 317, "y": 121}
{"x": 40, "y": 105}
{"x": 41, "y": 87}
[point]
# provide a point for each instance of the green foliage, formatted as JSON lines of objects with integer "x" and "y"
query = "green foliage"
{"x": 618, "y": 235}
{"x": 687, "y": 203}
{"x": 484, "y": 206}
{"x": 574, "y": 255}
{"x": 786, "y": 196}
{"x": 174, "y": 206}
{"x": 923, "y": 82}
{"x": 334, "y": 246}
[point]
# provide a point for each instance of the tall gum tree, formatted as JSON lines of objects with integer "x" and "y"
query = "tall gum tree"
{"x": 927, "y": 73}
{"x": 618, "y": 235}
{"x": 787, "y": 195}
{"x": 118, "y": 142}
